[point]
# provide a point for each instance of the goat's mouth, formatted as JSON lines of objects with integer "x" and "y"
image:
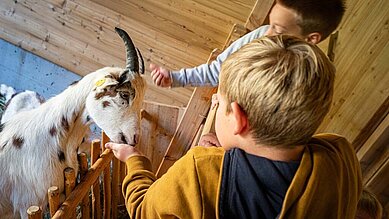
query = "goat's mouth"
{"x": 123, "y": 140}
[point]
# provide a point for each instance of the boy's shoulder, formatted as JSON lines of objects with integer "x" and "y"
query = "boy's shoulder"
{"x": 333, "y": 142}
{"x": 201, "y": 152}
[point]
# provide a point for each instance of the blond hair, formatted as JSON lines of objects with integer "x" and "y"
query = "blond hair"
{"x": 283, "y": 84}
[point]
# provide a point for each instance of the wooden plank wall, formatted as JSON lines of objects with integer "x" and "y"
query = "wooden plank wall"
{"x": 78, "y": 34}
{"x": 361, "y": 100}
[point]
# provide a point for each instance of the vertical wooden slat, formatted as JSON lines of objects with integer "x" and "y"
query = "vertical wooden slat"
{"x": 53, "y": 194}
{"x": 115, "y": 187}
{"x": 96, "y": 206}
{"x": 123, "y": 171}
{"x": 70, "y": 183}
{"x": 34, "y": 212}
{"x": 70, "y": 180}
{"x": 85, "y": 203}
{"x": 106, "y": 182}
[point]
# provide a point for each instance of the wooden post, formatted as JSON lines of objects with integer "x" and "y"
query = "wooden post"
{"x": 70, "y": 180}
{"x": 53, "y": 193}
{"x": 122, "y": 173}
{"x": 34, "y": 212}
{"x": 85, "y": 206}
{"x": 96, "y": 206}
{"x": 70, "y": 183}
{"x": 106, "y": 182}
{"x": 67, "y": 208}
{"x": 115, "y": 182}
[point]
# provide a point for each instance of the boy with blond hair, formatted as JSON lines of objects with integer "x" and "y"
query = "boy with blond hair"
{"x": 273, "y": 95}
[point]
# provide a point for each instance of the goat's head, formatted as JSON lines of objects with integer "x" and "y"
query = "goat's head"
{"x": 116, "y": 100}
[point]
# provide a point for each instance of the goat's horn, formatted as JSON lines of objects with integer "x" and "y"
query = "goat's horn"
{"x": 132, "y": 57}
{"x": 142, "y": 66}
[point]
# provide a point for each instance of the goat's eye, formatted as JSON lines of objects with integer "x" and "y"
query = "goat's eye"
{"x": 124, "y": 95}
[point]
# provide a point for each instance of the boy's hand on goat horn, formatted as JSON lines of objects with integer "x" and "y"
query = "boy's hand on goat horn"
{"x": 123, "y": 151}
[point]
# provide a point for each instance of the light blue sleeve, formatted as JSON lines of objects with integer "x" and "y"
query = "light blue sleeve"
{"x": 207, "y": 75}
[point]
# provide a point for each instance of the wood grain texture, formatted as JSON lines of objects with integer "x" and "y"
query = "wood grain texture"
{"x": 79, "y": 34}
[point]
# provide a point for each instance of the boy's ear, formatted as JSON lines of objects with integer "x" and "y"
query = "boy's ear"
{"x": 241, "y": 122}
{"x": 314, "y": 38}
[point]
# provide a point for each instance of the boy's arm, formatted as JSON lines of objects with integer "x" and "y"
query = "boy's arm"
{"x": 208, "y": 74}
{"x": 177, "y": 192}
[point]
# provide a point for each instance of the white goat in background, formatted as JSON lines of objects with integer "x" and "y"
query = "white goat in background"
{"x": 26, "y": 100}
{"x": 37, "y": 145}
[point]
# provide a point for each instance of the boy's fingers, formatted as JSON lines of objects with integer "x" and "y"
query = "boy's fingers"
{"x": 159, "y": 79}
{"x": 110, "y": 145}
{"x": 154, "y": 76}
{"x": 152, "y": 66}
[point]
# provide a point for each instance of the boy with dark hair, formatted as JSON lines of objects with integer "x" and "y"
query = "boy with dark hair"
{"x": 273, "y": 95}
{"x": 311, "y": 20}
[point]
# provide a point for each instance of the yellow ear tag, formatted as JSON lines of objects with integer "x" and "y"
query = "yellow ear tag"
{"x": 100, "y": 82}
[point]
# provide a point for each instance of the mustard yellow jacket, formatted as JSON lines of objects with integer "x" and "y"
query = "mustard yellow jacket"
{"x": 326, "y": 185}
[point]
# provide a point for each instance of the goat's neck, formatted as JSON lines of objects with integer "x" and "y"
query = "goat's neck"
{"x": 64, "y": 114}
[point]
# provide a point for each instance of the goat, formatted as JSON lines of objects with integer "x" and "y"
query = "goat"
{"x": 19, "y": 102}
{"x": 38, "y": 144}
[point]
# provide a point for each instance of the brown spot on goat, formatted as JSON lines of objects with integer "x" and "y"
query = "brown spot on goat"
{"x": 17, "y": 141}
{"x": 61, "y": 156}
{"x": 1, "y": 127}
{"x": 106, "y": 92}
{"x": 53, "y": 131}
{"x": 65, "y": 124}
{"x": 106, "y": 103}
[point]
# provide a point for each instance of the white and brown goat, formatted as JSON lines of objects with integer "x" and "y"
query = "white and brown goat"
{"x": 37, "y": 145}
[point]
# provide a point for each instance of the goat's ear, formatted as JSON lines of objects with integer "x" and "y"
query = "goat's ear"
{"x": 125, "y": 76}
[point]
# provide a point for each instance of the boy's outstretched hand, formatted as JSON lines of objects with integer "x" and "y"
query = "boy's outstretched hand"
{"x": 123, "y": 151}
{"x": 209, "y": 140}
{"x": 160, "y": 76}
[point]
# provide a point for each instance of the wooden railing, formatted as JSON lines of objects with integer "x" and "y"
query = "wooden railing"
{"x": 83, "y": 195}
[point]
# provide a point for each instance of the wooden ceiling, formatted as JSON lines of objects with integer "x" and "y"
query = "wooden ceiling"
{"x": 79, "y": 34}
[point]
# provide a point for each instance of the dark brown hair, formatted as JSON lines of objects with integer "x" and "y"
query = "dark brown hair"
{"x": 322, "y": 16}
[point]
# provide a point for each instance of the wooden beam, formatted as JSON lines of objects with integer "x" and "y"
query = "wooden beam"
{"x": 259, "y": 14}
{"x": 379, "y": 116}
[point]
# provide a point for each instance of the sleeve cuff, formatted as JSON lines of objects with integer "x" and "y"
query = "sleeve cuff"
{"x": 138, "y": 162}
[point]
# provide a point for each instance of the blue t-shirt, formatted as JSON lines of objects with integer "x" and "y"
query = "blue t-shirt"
{"x": 253, "y": 186}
